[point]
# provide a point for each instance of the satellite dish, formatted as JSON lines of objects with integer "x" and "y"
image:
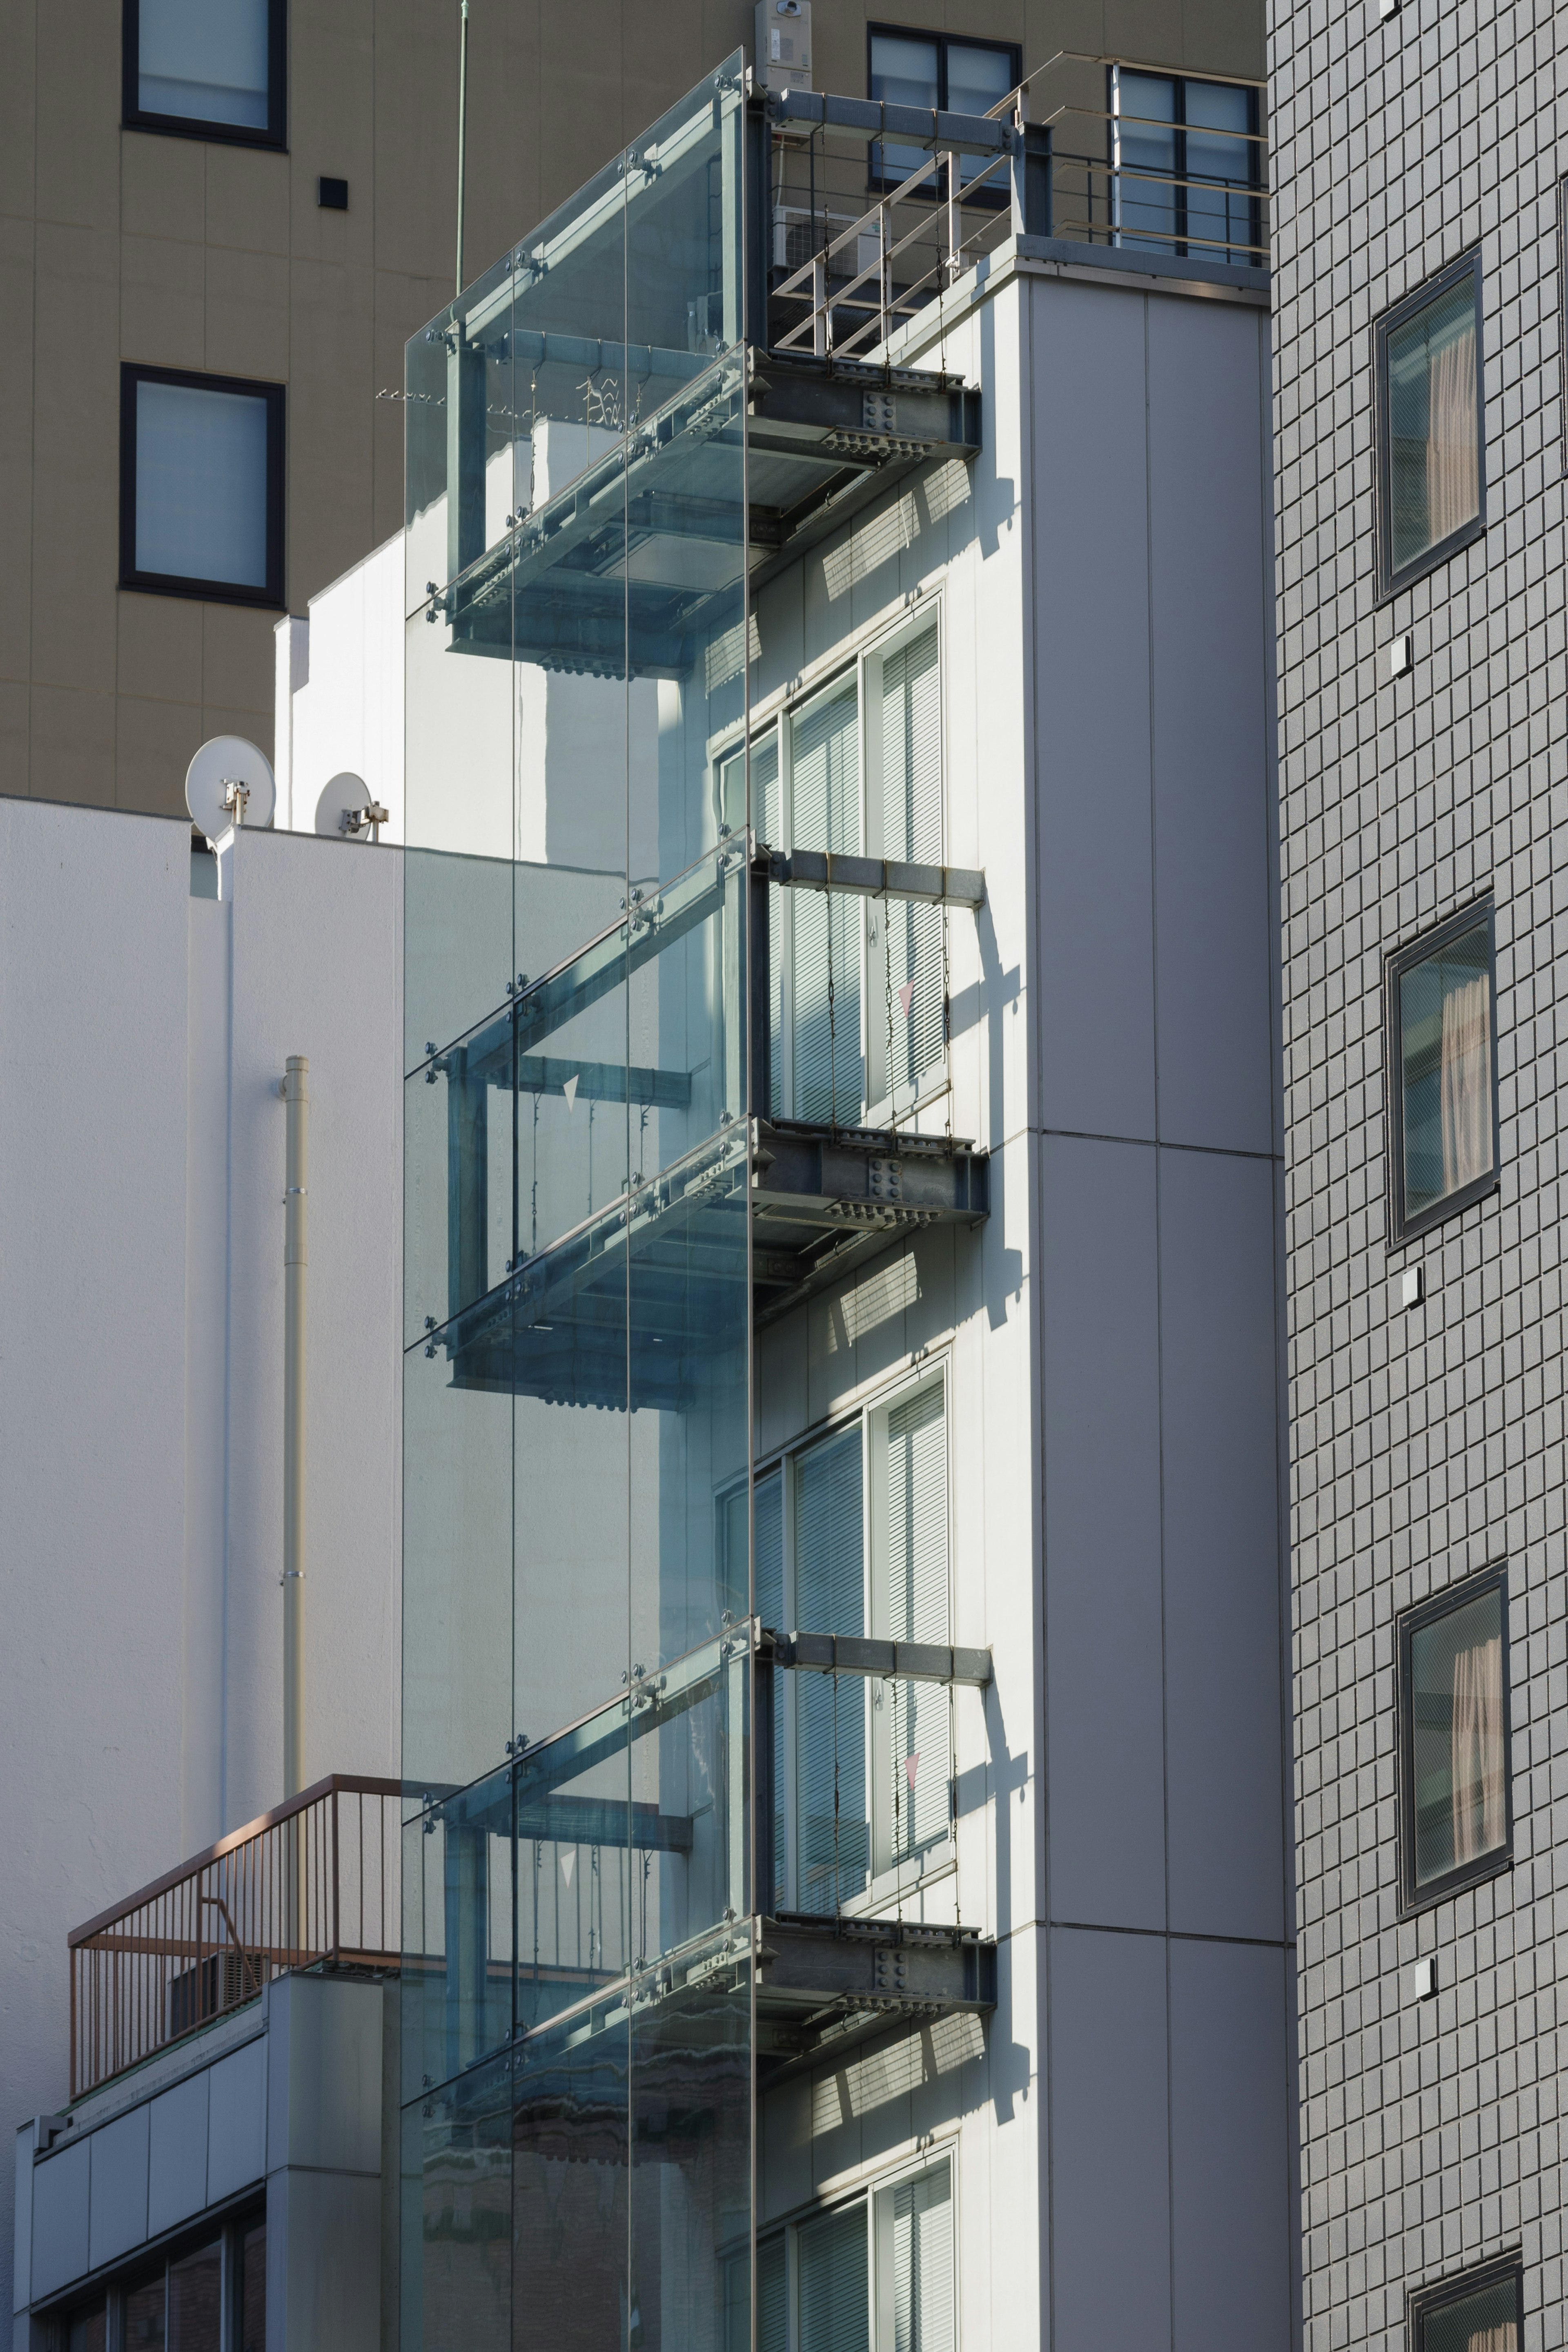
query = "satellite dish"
{"x": 345, "y": 793}
{"x": 229, "y": 781}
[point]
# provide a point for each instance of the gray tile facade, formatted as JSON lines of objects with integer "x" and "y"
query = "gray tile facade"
{"x": 1424, "y": 1443}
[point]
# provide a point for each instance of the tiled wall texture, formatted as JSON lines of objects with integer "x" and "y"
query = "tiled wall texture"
{"x": 1424, "y": 1443}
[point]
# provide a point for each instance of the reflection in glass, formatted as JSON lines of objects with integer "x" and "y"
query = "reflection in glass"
{"x": 691, "y": 2154}
{"x": 145, "y": 2317}
{"x": 196, "y": 2302}
{"x": 1445, "y": 1057}
{"x": 1458, "y": 1763}
{"x": 1434, "y": 423}
{"x": 252, "y": 2290}
{"x": 85, "y": 2330}
{"x": 457, "y": 2215}
{"x": 570, "y": 2166}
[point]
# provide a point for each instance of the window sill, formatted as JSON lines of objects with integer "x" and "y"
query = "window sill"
{"x": 220, "y": 134}
{"x": 205, "y": 591}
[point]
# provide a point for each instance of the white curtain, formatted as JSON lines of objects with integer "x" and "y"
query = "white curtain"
{"x": 1477, "y": 1760}
{"x": 1453, "y": 482}
{"x": 1495, "y": 2339}
{"x": 1467, "y": 1083}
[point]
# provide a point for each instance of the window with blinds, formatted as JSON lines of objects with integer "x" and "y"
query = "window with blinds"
{"x": 852, "y": 1536}
{"x": 857, "y": 989}
{"x": 878, "y": 2275}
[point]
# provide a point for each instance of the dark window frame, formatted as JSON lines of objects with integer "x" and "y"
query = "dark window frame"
{"x": 1248, "y": 191}
{"x": 108, "y": 2286}
{"x": 1389, "y": 582}
{"x": 189, "y": 126}
{"x": 996, "y": 194}
{"x": 1412, "y": 1897}
{"x": 1403, "y": 1228}
{"x": 269, "y": 597}
{"x": 1421, "y": 2302}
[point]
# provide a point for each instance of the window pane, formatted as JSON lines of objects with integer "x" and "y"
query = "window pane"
{"x": 768, "y": 1509}
{"x": 825, "y": 812}
{"x": 1216, "y": 164}
{"x": 86, "y": 2331}
{"x": 922, "y": 2263}
{"x": 1457, "y": 1765}
{"x": 1444, "y": 1045}
{"x": 977, "y": 81}
{"x": 912, "y": 833}
{"x": 1487, "y": 2322}
{"x": 252, "y": 2291}
{"x": 834, "y": 2306}
{"x": 1433, "y": 425}
{"x": 830, "y": 1598}
{"x": 205, "y": 60}
{"x": 200, "y": 484}
{"x": 144, "y": 2316}
{"x": 918, "y": 1611}
{"x": 1147, "y": 144}
{"x": 903, "y": 72}
{"x": 196, "y": 2302}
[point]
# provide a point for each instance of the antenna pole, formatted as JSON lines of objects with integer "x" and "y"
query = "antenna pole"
{"x": 462, "y": 128}
{"x": 296, "y": 1097}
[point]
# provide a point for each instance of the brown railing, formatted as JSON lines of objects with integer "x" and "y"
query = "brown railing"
{"x": 315, "y": 1880}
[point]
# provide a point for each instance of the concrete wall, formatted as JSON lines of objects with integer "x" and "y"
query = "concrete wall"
{"x": 122, "y": 244}
{"x": 140, "y": 1389}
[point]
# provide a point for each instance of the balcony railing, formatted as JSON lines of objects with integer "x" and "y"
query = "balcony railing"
{"x": 314, "y": 1881}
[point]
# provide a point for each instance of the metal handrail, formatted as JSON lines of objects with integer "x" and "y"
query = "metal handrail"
{"x": 313, "y": 1880}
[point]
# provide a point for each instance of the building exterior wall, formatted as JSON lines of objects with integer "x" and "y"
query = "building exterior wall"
{"x": 141, "y": 1197}
{"x": 124, "y": 245}
{"x": 1426, "y": 1443}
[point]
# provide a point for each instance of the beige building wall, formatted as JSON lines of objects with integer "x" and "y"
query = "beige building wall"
{"x": 122, "y": 244}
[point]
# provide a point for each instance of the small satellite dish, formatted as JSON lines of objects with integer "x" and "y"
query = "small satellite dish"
{"x": 339, "y": 799}
{"x": 229, "y": 781}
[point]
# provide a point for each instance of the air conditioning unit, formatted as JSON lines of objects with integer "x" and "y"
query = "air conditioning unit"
{"x": 799, "y": 234}
{"x": 784, "y": 44}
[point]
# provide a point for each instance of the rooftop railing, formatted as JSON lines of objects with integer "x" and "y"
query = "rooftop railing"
{"x": 1092, "y": 149}
{"x": 314, "y": 1881}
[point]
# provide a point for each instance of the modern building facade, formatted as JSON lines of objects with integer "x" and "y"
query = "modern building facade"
{"x": 219, "y": 230}
{"x": 1419, "y": 451}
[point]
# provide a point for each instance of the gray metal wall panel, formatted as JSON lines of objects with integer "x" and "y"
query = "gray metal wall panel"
{"x": 61, "y": 2191}
{"x": 177, "y": 2154}
{"x": 119, "y": 2200}
{"x": 1218, "y": 1363}
{"x": 1101, "y": 1408}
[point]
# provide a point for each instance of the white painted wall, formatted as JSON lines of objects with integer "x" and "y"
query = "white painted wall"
{"x": 142, "y": 1034}
{"x": 338, "y": 702}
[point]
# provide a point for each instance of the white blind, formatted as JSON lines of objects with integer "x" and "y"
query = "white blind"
{"x": 911, "y": 832}
{"x": 832, "y": 1838}
{"x": 917, "y": 1571}
{"x": 772, "y": 2319}
{"x": 825, "y": 814}
{"x": 768, "y": 1509}
{"x": 922, "y": 2263}
{"x": 835, "y": 2314}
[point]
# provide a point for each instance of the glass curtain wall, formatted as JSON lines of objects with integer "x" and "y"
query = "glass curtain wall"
{"x": 577, "y": 1996}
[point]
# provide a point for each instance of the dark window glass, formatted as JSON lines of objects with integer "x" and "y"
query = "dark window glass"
{"x": 1186, "y": 165}
{"x": 1483, "y": 2318}
{"x": 144, "y": 2317}
{"x": 212, "y": 68}
{"x": 85, "y": 2330}
{"x": 1454, "y": 1672}
{"x": 202, "y": 485}
{"x": 1430, "y": 485}
{"x": 252, "y": 2290}
{"x": 196, "y": 2302}
{"x": 1444, "y": 1145}
{"x": 929, "y": 70}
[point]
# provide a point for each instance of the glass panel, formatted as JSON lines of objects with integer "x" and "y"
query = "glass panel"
{"x": 1146, "y": 153}
{"x": 691, "y": 2149}
{"x": 457, "y": 2215}
{"x": 1484, "y": 2322}
{"x": 196, "y": 2302}
{"x": 918, "y": 2244}
{"x": 570, "y": 2201}
{"x": 827, "y": 1074}
{"x": 835, "y": 2314}
{"x": 1445, "y": 1053}
{"x": 833, "y": 1840}
{"x": 903, "y": 72}
{"x": 206, "y": 63}
{"x": 1434, "y": 425}
{"x": 457, "y": 1898}
{"x": 978, "y": 79}
{"x": 1219, "y": 155}
{"x": 200, "y": 484}
{"x": 145, "y": 2309}
{"x": 85, "y": 2330}
{"x": 252, "y": 2291}
{"x": 1458, "y": 1768}
{"x": 906, "y": 1030}
{"x": 919, "y": 1761}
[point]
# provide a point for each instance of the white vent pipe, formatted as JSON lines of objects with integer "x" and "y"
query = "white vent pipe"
{"x": 296, "y": 1096}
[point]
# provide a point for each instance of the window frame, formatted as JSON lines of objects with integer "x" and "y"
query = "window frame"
{"x": 1421, "y": 2302}
{"x": 228, "y": 2225}
{"x": 889, "y": 1880}
{"x": 270, "y": 598}
{"x": 880, "y": 182}
{"x": 1414, "y": 1899}
{"x": 133, "y": 117}
{"x": 1390, "y": 582}
{"x": 1401, "y": 1227}
{"x": 1181, "y": 246}
{"x": 872, "y": 2194}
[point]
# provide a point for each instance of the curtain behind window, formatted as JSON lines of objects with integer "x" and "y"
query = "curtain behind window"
{"x": 1458, "y": 1759}
{"x": 1434, "y": 427}
{"x": 1467, "y": 1083}
{"x": 1446, "y": 1057}
{"x": 922, "y": 2263}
